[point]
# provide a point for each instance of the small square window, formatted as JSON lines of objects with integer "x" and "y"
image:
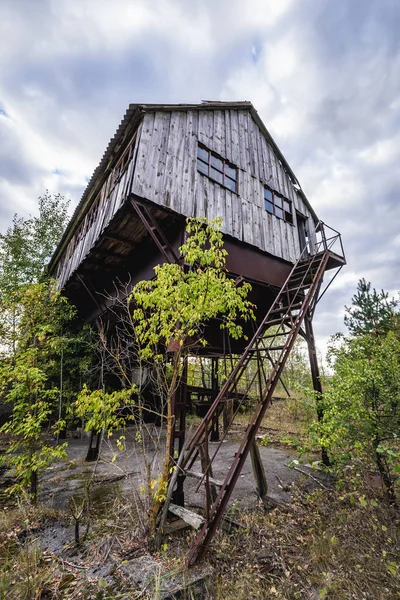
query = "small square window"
{"x": 289, "y": 217}
{"x": 269, "y": 206}
{"x": 217, "y": 163}
{"x": 217, "y": 175}
{"x": 202, "y": 166}
{"x": 278, "y": 205}
{"x": 267, "y": 194}
{"x": 231, "y": 171}
{"x": 217, "y": 168}
{"x": 203, "y": 154}
{"x": 230, "y": 184}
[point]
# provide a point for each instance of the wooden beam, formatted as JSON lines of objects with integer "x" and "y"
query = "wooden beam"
{"x": 120, "y": 240}
{"x": 258, "y": 470}
{"x": 107, "y": 253}
{"x": 191, "y": 518}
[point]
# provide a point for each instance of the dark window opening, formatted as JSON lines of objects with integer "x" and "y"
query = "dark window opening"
{"x": 217, "y": 168}
{"x": 278, "y": 205}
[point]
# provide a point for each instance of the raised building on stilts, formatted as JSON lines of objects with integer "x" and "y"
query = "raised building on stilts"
{"x": 215, "y": 159}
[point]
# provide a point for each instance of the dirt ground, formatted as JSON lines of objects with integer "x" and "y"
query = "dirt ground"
{"x": 66, "y": 480}
{"x": 330, "y": 545}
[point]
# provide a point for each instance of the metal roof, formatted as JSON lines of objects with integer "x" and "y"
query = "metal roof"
{"x": 128, "y": 124}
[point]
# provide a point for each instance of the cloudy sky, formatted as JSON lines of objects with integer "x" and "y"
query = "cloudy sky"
{"x": 324, "y": 76}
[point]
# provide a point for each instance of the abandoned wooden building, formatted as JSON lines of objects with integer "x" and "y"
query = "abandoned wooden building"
{"x": 215, "y": 159}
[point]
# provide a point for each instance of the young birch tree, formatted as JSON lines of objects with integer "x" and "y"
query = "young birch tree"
{"x": 172, "y": 312}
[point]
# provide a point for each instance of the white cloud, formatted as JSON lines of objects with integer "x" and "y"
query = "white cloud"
{"x": 323, "y": 76}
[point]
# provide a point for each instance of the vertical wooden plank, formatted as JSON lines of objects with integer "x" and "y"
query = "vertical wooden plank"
{"x": 257, "y": 193}
{"x": 235, "y": 151}
{"x": 215, "y": 205}
{"x": 202, "y": 196}
{"x": 171, "y": 160}
{"x": 271, "y": 237}
{"x": 188, "y": 164}
{"x": 237, "y": 216}
{"x": 247, "y": 228}
{"x": 267, "y": 161}
{"x": 274, "y": 170}
{"x": 252, "y": 137}
{"x": 285, "y": 240}
{"x": 228, "y": 136}
{"x": 260, "y": 140}
{"x": 206, "y": 128}
{"x": 312, "y": 233}
{"x": 286, "y": 184}
{"x": 193, "y": 175}
{"x": 259, "y": 472}
{"x": 143, "y": 154}
{"x": 258, "y": 229}
{"x": 217, "y": 133}
{"x": 243, "y": 141}
{"x": 223, "y": 135}
{"x": 162, "y": 156}
{"x": 279, "y": 171}
{"x": 228, "y": 213}
{"x": 263, "y": 230}
{"x": 135, "y": 158}
{"x": 177, "y": 151}
{"x": 292, "y": 243}
{"x": 243, "y": 200}
{"x": 151, "y": 180}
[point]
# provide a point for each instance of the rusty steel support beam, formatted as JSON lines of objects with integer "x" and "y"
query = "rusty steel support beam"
{"x": 154, "y": 231}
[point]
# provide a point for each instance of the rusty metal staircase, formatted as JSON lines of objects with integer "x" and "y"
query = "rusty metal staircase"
{"x": 273, "y": 340}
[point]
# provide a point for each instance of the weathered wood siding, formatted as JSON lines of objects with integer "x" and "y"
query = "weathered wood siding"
{"x": 162, "y": 167}
{"x": 106, "y": 202}
{"x": 166, "y": 173}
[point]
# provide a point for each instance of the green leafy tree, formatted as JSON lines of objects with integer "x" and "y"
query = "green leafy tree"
{"x": 28, "y": 244}
{"x": 104, "y": 411}
{"x": 361, "y": 404}
{"x": 361, "y": 400}
{"x": 172, "y": 311}
{"x": 25, "y": 249}
{"x": 25, "y": 382}
{"x": 371, "y": 312}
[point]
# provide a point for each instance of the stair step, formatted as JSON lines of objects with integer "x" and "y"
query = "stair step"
{"x": 191, "y": 518}
{"x": 269, "y": 348}
{"x": 300, "y": 288}
{"x": 274, "y": 335}
{"x": 285, "y": 308}
{"x": 276, "y": 322}
{"x": 304, "y": 277}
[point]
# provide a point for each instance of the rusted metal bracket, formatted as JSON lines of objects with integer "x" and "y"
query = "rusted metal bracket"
{"x": 154, "y": 231}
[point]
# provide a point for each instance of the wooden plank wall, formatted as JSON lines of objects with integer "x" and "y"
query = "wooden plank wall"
{"x": 163, "y": 169}
{"x": 107, "y": 202}
{"x": 166, "y": 174}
